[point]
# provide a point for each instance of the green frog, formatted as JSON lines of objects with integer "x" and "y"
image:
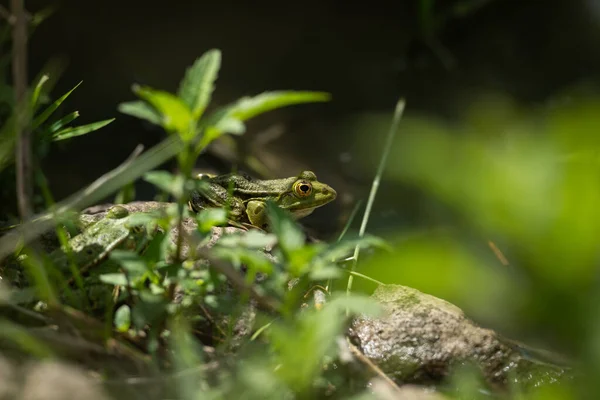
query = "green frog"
{"x": 98, "y": 239}
{"x": 246, "y": 197}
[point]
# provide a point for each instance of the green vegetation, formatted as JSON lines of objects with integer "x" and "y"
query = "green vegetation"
{"x": 151, "y": 302}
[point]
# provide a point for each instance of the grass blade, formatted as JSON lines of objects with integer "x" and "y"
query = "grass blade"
{"x": 40, "y": 119}
{"x": 70, "y": 132}
{"x": 375, "y": 185}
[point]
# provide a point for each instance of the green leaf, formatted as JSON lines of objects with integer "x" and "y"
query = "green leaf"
{"x": 70, "y": 132}
{"x": 142, "y": 110}
{"x": 40, "y": 119}
{"x": 231, "y": 125}
{"x": 249, "y": 107}
{"x": 303, "y": 345}
{"x": 229, "y": 119}
{"x": 115, "y": 279}
{"x": 253, "y": 239}
{"x": 64, "y": 121}
{"x": 344, "y": 248}
{"x": 285, "y": 228}
{"x": 175, "y": 114}
{"x": 198, "y": 84}
{"x": 165, "y": 181}
{"x": 123, "y": 318}
{"x": 210, "y": 217}
{"x": 143, "y": 218}
{"x": 354, "y": 304}
{"x": 255, "y": 260}
{"x": 130, "y": 261}
{"x": 322, "y": 274}
{"x": 37, "y": 90}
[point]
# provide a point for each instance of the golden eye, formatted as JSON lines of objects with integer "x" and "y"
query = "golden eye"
{"x": 302, "y": 188}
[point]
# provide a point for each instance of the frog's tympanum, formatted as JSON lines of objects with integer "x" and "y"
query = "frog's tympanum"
{"x": 246, "y": 197}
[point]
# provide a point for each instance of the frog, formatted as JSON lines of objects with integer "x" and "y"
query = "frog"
{"x": 247, "y": 197}
{"x": 93, "y": 245}
{"x": 88, "y": 251}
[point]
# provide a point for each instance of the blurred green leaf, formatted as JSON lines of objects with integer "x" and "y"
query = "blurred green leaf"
{"x": 229, "y": 119}
{"x": 18, "y": 334}
{"x": 132, "y": 263}
{"x": 302, "y": 345}
{"x": 249, "y": 107}
{"x": 126, "y": 194}
{"x": 70, "y": 132}
{"x": 123, "y": 318}
{"x": 210, "y": 217}
{"x": 37, "y": 90}
{"x": 198, "y": 83}
{"x": 288, "y": 232}
{"x": 255, "y": 260}
{"x": 327, "y": 272}
{"x": 41, "y": 118}
{"x": 115, "y": 279}
{"x": 142, "y": 110}
{"x": 8, "y": 136}
{"x": 253, "y": 239}
{"x": 165, "y": 181}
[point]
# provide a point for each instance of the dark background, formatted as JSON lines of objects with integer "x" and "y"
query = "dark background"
{"x": 367, "y": 54}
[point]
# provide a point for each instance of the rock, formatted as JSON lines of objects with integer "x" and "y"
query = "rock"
{"x": 421, "y": 338}
{"x": 53, "y": 380}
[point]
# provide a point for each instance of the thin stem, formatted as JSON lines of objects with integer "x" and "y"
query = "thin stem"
{"x": 23, "y": 149}
{"x": 375, "y": 185}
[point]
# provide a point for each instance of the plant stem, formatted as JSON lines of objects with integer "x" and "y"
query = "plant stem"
{"x": 19, "y": 70}
{"x": 375, "y": 185}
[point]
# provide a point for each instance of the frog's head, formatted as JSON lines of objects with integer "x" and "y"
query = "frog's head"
{"x": 306, "y": 194}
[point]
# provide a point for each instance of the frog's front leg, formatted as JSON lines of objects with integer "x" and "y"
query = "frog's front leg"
{"x": 256, "y": 210}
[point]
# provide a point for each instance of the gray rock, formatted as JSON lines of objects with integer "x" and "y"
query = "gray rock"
{"x": 421, "y": 338}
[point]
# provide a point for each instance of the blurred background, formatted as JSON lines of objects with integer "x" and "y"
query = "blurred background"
{"x": 491, "y": 192}
{"x": 442, "y": 56}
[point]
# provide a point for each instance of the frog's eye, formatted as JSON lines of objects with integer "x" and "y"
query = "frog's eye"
{"x": 302, "y": 188}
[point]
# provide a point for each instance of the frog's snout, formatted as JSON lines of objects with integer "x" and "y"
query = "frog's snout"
{"x": 329, "y": 192}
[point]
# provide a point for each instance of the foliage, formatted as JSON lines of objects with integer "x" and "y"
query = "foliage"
{"x": 151, "y": 292}
{"x": 44, "y": 130}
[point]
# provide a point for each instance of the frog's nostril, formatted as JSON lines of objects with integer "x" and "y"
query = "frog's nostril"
{"x": 329, "y": 192}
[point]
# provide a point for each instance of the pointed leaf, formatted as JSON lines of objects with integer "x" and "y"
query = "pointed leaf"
{"x": 70, "y": 132}
{"x": 142, "y": 110}
{"x": 229, "y": 119}
{"x": 64, "y": 121}
{"x": 40, "y": 119}
{"x": 175, "y": 114}
{"x": 37, "y": 90}
{"x": 198, "y": 84}
{"x": 249, "y": 107}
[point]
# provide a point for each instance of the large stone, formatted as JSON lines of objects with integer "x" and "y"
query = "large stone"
{"x": 421, "y": 338}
